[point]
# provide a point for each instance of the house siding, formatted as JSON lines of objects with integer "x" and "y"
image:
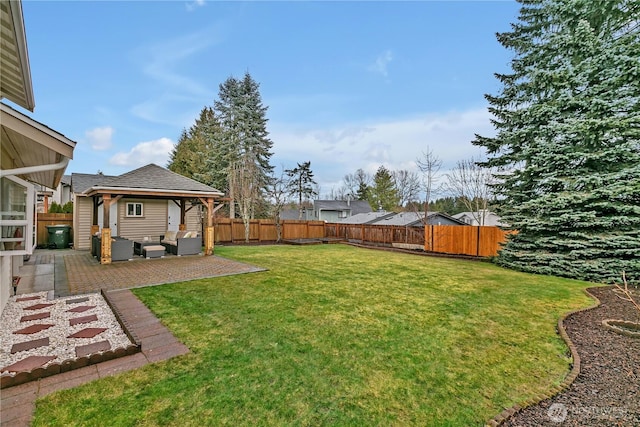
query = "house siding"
{"x": 193, "y": 219}
{"x": 153, "y": 223}
{"x": 82, "y": 212}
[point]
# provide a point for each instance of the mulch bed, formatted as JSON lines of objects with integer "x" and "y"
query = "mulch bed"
{"x": 607, "y": 390}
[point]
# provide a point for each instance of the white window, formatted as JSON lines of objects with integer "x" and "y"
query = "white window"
{"x": 16, "y": 216}
{"x": 134, "y": 209}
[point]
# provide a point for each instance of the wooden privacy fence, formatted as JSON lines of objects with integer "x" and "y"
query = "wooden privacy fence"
{"x": 376, "y": 234}
{"x": 264, "y": 230}
{"x": 45, "y": 219}
{"x": 449, "y": 239}
{"x": 480, "y": 241}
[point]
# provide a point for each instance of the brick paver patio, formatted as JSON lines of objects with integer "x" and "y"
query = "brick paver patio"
{"x": 85, "y": 274}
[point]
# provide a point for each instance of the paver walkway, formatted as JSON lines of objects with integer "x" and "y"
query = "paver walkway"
{"x": 158, "y": 343}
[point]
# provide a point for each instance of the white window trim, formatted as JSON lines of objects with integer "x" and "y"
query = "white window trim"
{"x": 134, "y": 210}
{"x": 28, "y": 223}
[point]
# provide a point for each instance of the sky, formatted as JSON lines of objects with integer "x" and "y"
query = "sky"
{"x": 348, "y": 85}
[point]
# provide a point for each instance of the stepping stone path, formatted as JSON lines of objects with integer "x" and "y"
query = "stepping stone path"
{"x": 81, "y": 309}
{"x": 37, "y": 316}
{"x": 85, "y": 319}
{"x": 96, "y": 347}
{"x": 28, "y": 298}
{"x": 29, "y": 364}
{"x": 87, "y": 333}
{"x": 28, "y": 345}
{"x": 82, "y": 349}
{"x": 77, "y": 300}
{"x": 33, "y": 329}
{"x": 38, "y": 306}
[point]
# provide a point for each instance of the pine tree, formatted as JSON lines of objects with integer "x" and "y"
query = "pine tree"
{"x": 301, "y": 183}
{"x": 568, "y": 139}
{"x": 244, "y": 145}
{"x": 383, "y": 193}
{"x": 191, "y": 156}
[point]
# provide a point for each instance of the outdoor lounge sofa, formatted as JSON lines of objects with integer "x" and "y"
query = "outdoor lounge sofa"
{"x": 182, "y": 242}
{"x": 121, "y": 248}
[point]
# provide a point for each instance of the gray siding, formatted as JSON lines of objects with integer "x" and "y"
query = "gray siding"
{"x": 153, "y": 224}
{"x": 82, "y": 212}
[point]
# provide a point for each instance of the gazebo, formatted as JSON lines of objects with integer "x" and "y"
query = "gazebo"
{"x": 132, "y": 189}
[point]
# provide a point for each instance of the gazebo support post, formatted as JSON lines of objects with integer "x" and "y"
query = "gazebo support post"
{"x": 209, "y": 229}
{"x": 183, "y": 215}
{"x": 105, "y": 243}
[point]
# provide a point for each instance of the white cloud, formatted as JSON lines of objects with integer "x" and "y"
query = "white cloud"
{"x": 100, "y": 138}
{"x": 396, "y": 144}
{"x": 156, "y": 151}
{"x": 381, "y": 63}
{"x": 195, "y": 4}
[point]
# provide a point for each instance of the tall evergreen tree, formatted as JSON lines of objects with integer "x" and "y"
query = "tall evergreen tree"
{"x": 245, "y": 147}
{"x": 301, "y": 183}
{"x": 383, "y": 193}
{"x": 568, "y": 139}
{"x": 190, "y": 156}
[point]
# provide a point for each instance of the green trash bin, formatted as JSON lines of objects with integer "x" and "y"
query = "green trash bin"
{"x": 58, "y": 236}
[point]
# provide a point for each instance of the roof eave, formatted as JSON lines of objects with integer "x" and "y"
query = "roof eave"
{"x": 27, "y": 99}
{"x": 96, "y": 190}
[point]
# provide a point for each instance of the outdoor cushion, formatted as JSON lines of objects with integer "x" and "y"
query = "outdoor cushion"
{"x": 170, "y": 235}
{"x": 181, "y": 234}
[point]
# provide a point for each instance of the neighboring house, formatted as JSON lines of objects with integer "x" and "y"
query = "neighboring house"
{"x": 416, "y": 219}
{"x": 336, "y": 210}
{"x": 294, "y": 214}
{"x": 145, "y": 202}
{"x": 30, "y": 152}
{"x": 367, "y": 217}
{"x": 483, "y": 217}
{"x": 61, "y": 195}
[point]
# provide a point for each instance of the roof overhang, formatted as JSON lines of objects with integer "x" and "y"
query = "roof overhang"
{"x": 15, "y": 73}
{"x": 150, "y": 192}
{"x": 31, "y": 150}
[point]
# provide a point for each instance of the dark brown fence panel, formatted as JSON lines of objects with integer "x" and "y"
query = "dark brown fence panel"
{"x": 45, "y": 219}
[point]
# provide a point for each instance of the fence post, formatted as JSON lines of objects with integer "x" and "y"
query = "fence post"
{"x": 478, "y": 243}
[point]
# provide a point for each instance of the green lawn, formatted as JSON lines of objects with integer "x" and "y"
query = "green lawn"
{"x": 337, "y": 335}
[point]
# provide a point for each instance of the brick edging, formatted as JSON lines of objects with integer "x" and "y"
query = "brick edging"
{"x": 569, "y": 379}
{"x": 121, "y": 320}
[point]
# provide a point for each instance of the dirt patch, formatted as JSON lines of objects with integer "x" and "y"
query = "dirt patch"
{"x": 607, "y": 390}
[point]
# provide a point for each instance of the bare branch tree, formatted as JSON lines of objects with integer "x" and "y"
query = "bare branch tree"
{"x": 245, "y": 184}
{"x": 408, "y": 185}
{"x": 429, "y": 164}
{"x": 278, "y": 192}
{"x": 473, "y": 185}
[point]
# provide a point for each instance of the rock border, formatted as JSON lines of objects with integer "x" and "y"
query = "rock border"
{"x": 7, "y": 381}
{"x": 618, "y": 326}
{"x": 568, "y": 380}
